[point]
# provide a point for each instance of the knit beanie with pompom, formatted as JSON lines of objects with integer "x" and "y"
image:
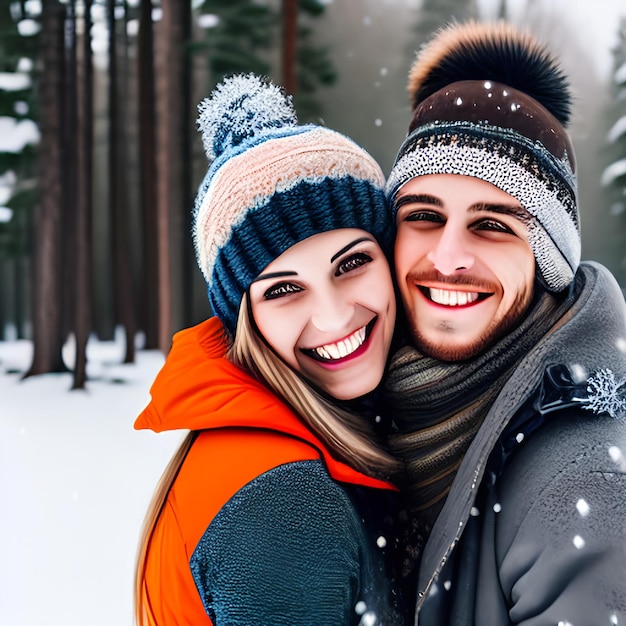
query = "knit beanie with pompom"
{"x": 490, "y": 102}
{"x": 271, "y": 184}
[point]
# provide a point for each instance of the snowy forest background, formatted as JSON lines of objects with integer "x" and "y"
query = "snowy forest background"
{"x": 100, "y": 157}
{"x": 99, "y": 163}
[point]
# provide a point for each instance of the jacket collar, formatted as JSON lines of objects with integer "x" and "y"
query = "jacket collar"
{"x": 199, "y": 389}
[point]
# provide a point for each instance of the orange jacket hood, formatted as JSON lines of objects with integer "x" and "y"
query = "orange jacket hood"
{"x": 198, "y": 389}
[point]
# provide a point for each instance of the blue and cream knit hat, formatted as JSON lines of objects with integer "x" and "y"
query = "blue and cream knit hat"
{"x": 271, "y": 184}
{"x": 491, "y": 102}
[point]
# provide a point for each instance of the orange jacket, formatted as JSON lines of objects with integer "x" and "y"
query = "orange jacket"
{"x": 244, "y": 431}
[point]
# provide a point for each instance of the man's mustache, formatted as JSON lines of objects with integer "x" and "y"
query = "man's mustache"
{"x": 466, "y": 280}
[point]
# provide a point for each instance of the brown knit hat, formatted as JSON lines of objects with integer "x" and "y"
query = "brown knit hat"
{"x": 489, "y": 101}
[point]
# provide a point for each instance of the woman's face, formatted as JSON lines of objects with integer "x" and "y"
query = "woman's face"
{"x": 327, "y": 308}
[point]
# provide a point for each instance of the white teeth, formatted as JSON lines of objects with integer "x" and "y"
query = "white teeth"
{"x": 345, "y": 348}
{"x": 333, "y": 350}
{"x": 323, "y": 353}
{"x": 452, "y": 298}
{"x": 341, "y": 349}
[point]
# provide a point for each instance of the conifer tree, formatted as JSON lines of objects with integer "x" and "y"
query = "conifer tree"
{"x": 18, "y": 144}
{"x": 614, "y": 176}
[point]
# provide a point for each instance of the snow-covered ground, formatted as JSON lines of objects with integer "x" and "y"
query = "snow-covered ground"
{"x": 75, "y": 481}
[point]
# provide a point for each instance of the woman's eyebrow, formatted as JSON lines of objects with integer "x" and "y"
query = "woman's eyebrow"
{"x": 273, "y": 275}
{"x": 350, "y": 245}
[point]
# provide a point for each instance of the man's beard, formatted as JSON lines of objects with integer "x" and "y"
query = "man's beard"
{"x": 492, "y": 334}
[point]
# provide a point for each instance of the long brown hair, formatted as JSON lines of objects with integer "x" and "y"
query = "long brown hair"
{"x": 143, "y": 611}
{"x": 349, "y": 437}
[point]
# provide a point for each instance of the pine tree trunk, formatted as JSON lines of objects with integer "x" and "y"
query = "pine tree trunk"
{"x": 123, "y": 295}
{"x": 290, "y": 23}
{"x": 164, "y": 167}
{"x": 82, "y": 293}
{"x": 148, "y": 177}
{"x": 71, "y": 182}
{"x": 188, "y": 130}
{"x": 47, "y": 335}
{"x": 170, "y": 200}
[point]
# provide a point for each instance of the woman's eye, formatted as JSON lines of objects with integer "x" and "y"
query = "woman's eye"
{"x": 352, "y": 262}
{"x": 493, "y": 225}
{"x": 280, "y": 290}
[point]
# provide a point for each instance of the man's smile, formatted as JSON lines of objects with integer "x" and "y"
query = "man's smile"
{"x": 453, "y": 297}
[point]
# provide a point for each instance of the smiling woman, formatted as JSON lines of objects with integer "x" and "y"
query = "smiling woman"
{"x": 326, "y": 306}
{"x": 277, "y": 477}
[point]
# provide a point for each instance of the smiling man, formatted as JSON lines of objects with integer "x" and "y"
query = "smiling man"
{"x": 508, "y": 399}
{"x": 466, "y": 266}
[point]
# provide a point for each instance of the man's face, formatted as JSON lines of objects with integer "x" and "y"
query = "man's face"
{"x": 464, "y": 266}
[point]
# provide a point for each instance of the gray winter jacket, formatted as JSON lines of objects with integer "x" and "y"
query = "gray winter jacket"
{"x": 533, "y": 531}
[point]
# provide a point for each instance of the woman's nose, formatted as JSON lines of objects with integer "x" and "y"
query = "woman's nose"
{"x": 332, "y": 312}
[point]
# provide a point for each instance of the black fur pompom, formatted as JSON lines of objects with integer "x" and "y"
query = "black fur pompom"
{"x": 491, "y": 51}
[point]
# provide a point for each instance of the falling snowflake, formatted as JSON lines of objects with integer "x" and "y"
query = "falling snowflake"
{"x": 360, "y": 607}
{"x": 606, "y": 394}
{"x": 583, "y": 507}
{"x": 369, "y": 619}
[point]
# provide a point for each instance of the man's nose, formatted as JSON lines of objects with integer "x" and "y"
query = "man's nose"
{"x": 451, "y": 252}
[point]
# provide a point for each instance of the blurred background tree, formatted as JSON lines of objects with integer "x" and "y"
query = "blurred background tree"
{"x": 614, "y": 176}
{"x": 96, "y": 196}
{"x": 19, "y": 135}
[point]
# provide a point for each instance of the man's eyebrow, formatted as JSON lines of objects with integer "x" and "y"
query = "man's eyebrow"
{"x": 273, "y": 275}
{"x": 350, "y": 245}
{"x": 514, "y": 210}
{"x": 421, "y": 198}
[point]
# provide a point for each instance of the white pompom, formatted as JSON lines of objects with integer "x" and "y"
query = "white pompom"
{"x": 239, "y": 108}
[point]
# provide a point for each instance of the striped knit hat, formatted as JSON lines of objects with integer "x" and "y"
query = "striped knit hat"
{"x": 490, "y": 102}
{"x": 271, "y": 184}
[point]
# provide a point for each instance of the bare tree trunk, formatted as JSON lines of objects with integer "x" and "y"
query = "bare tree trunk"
{"x": 170, "y": 130}
{"x": 82, "y": 294}
{"x": 188, "y": 121}
{"x": 148, "y": 176}
{"x": 123, "y": 295}
{"x": 164, "y": 162}
{"x": 69, "y": 172}
{"x": 47, "y": 335}
{"x": 71, "y": 182}
{"x": 289, "y": 32}
{"x": 8, "y": 294}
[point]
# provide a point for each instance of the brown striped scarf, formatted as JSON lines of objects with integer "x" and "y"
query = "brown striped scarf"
{"x": 438, "y": 407}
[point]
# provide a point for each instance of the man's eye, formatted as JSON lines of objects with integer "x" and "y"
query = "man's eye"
{"x": 352, "y": 262}
{"x": 423, "y": 216}
{"x": 280, "y": 290}
{"x": 492, "y": 225}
